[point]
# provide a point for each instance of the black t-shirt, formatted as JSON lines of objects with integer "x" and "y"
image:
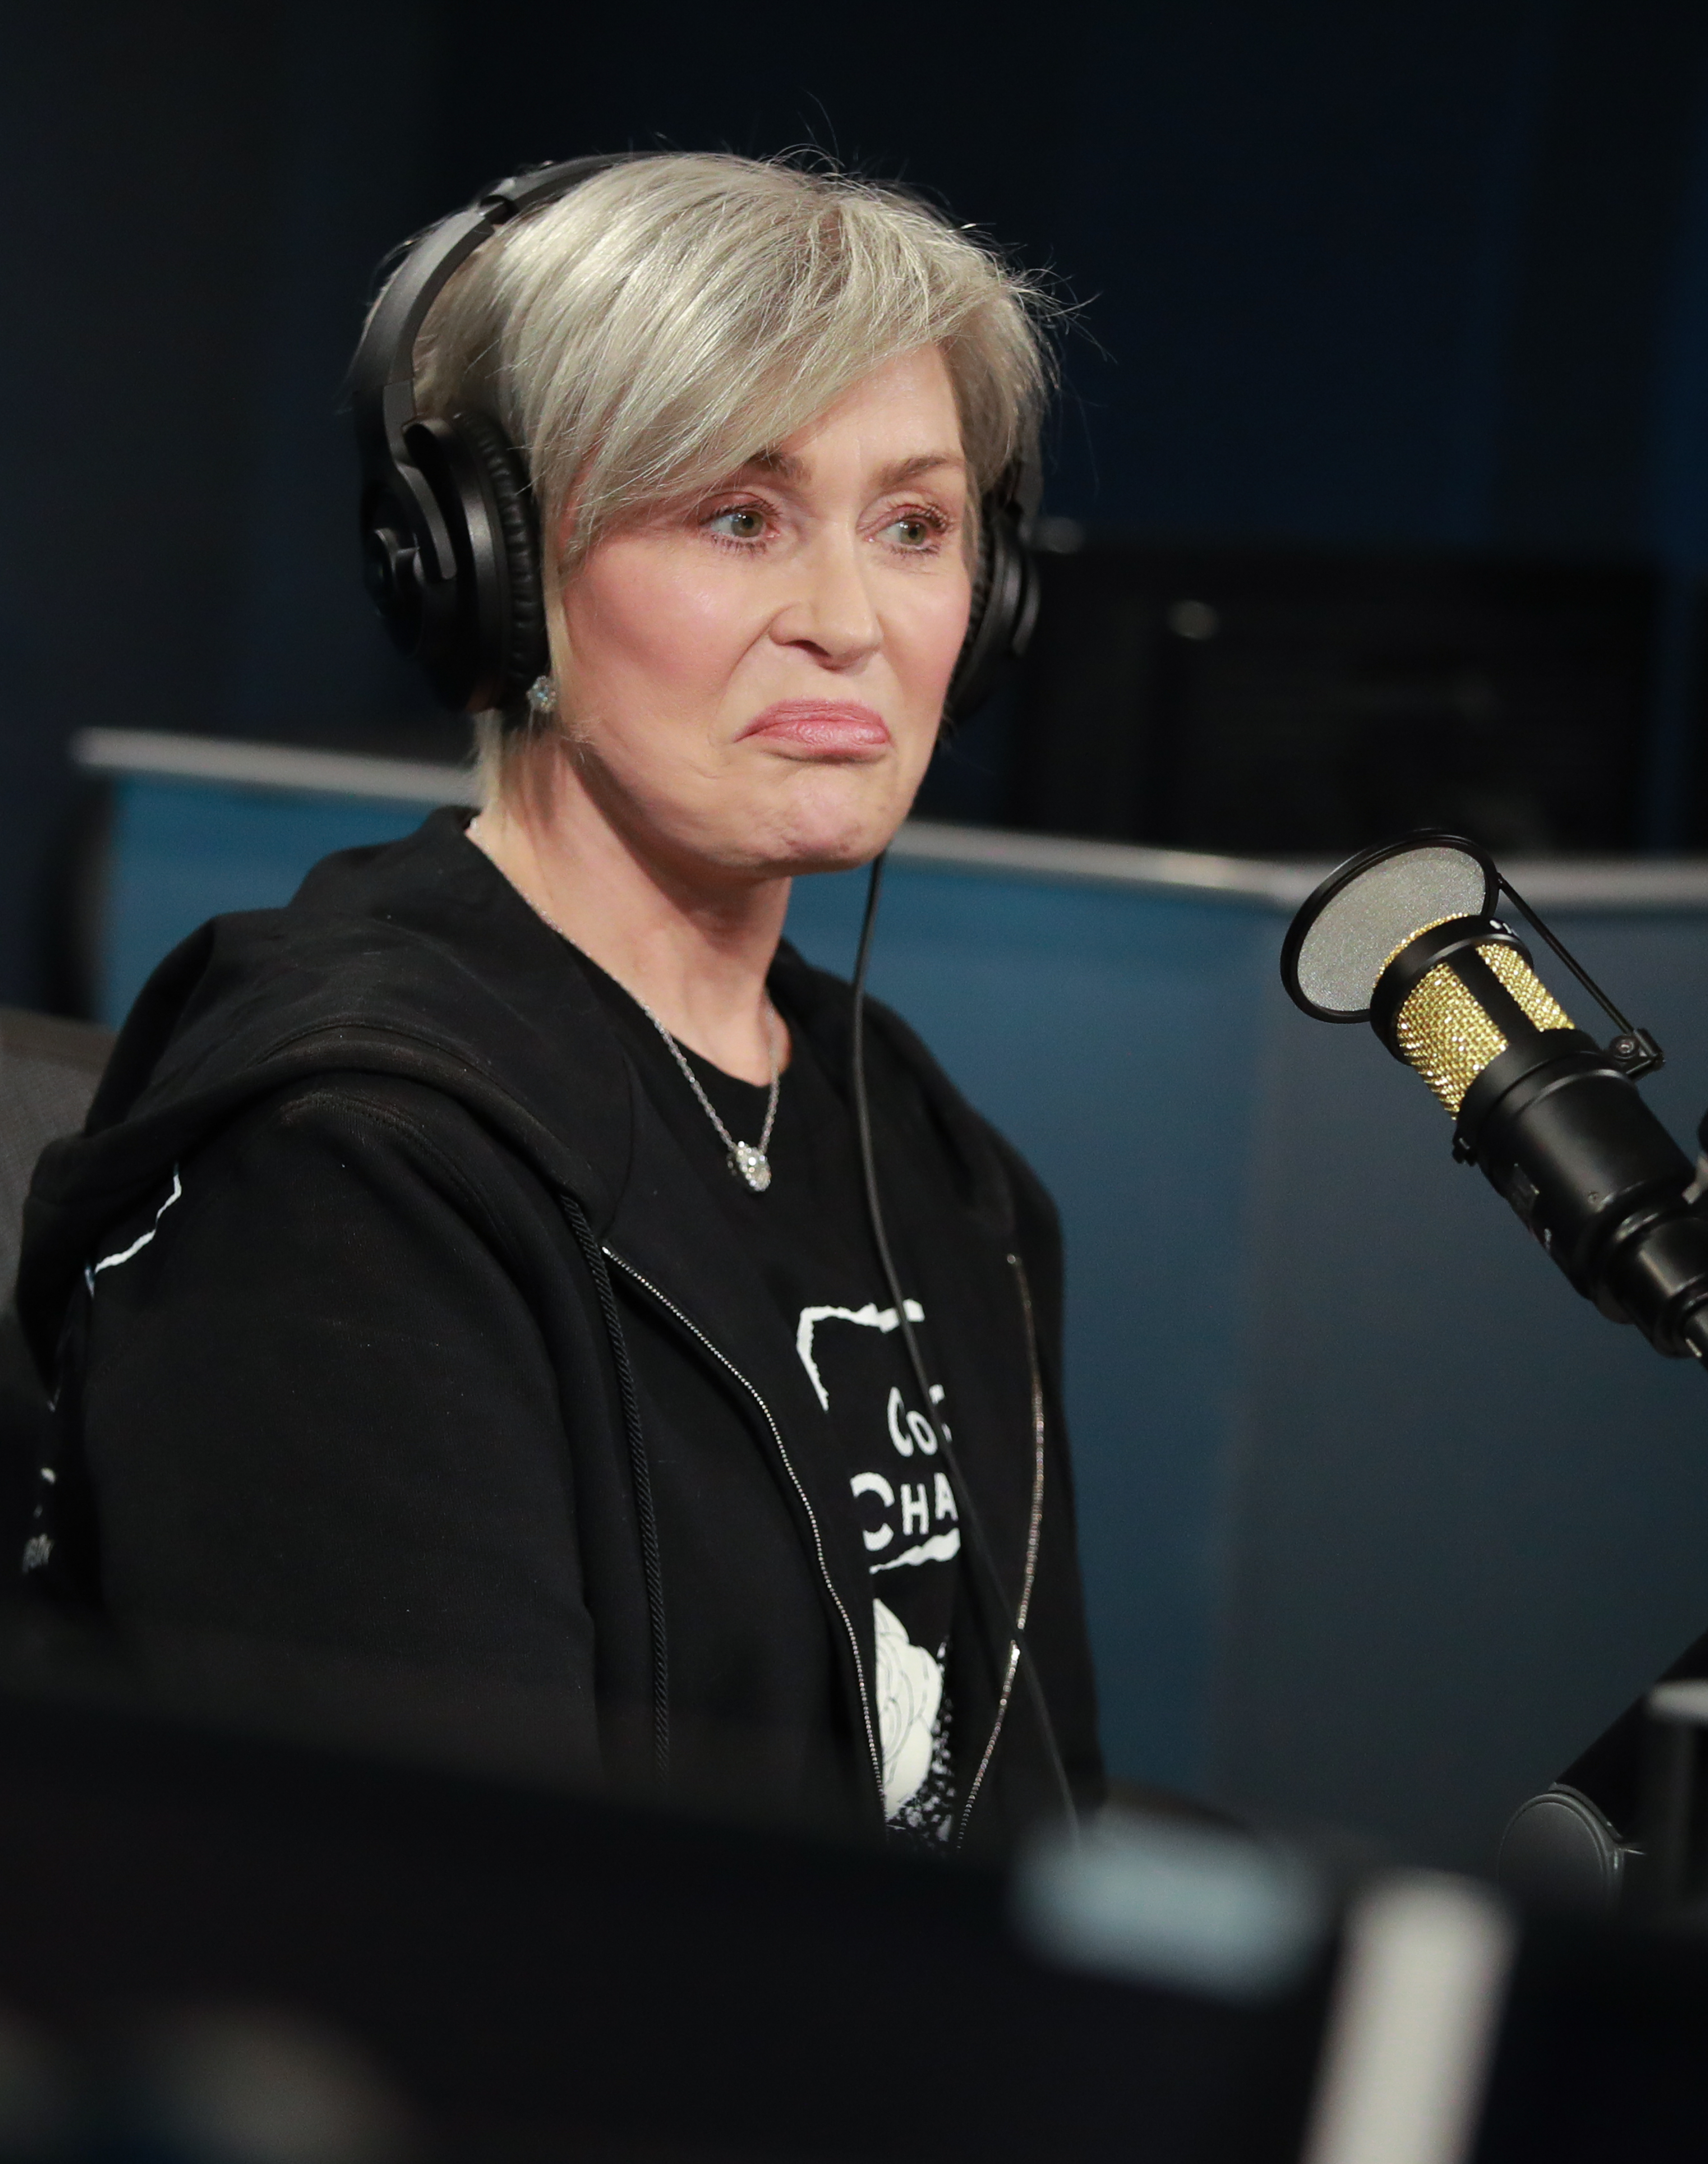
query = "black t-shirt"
{"x": 809, "y": 1235}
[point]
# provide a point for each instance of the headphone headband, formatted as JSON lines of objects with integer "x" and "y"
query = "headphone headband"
{"x": 382, "y": 375}
{"x": 450, "y": 538}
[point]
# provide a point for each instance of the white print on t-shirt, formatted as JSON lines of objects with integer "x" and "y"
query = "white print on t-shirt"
{"x": 917, "y": 1515}
{"x": 920, "y": 1512}
{"x": 868, "y": 1317}
{"x": 127, "y": 1254}
{"x": 920, "y": 1501}
{"x": 918, "y": 1431}
{"x": 914, "y": 1507}
{"x": 910, "y": 1690}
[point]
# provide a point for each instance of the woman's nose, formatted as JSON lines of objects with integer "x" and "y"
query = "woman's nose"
{"x": 831, "y": 610}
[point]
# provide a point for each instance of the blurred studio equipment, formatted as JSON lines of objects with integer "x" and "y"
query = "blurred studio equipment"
{"x": 1561, "y": 1850}
{"x": 48, "y": 1069}
{"x": 1278, "y": 702}
{"x": 1625, "y": 1830}
{"x": 243, "y": 2084}
{"x": 219, "y": 1948}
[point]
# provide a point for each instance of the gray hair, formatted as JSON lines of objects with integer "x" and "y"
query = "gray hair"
{"x": 675, "y": 315}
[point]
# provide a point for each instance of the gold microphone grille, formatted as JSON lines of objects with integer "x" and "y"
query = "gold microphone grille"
{"x": 1446, "y": 1035}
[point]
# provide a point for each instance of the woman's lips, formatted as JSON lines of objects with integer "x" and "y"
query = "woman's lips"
{"x": 822, "y": 725}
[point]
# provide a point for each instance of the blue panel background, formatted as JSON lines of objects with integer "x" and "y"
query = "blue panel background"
{"x": 184, "y": 851}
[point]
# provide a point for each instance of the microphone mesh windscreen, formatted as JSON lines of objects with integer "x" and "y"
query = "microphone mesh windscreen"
{"x": 1445, "y": 1033}
{"x": 1359, "y": 932}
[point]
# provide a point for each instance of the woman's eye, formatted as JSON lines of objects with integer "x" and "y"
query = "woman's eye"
{"x": 744, "y": 523}
{"x": 913, "y": 531}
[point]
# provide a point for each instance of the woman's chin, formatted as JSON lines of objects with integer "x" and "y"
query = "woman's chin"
{"x": 827, "y": 820}
{"x": 833, "y": 831}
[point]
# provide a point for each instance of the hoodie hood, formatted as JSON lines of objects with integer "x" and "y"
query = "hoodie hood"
{"x": 419, "y": 960}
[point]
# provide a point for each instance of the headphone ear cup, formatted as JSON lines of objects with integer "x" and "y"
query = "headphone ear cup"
{"x": 453, "y": 563}
{"x": 1004, "y": 611}
{"x": 513, "y": 622}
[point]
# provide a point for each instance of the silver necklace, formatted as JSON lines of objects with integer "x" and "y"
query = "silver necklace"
{"x": 747, "y": 1160}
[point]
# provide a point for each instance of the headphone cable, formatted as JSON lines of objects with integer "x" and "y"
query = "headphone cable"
{"x": 1016, "y": 1648}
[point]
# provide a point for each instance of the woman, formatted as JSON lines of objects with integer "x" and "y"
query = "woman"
{"x": 466, "y": 1290}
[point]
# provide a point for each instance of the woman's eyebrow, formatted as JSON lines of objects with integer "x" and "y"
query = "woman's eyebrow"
{"x": 922, "y": 462}
{"x": 783, "y": 464}
{"x": 786, "y": 467}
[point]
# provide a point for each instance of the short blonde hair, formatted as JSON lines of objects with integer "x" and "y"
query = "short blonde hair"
{"x": 675, "y": 315}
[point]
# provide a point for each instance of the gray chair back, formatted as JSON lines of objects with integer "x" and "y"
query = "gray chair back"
{"x": 49, "y": 1069}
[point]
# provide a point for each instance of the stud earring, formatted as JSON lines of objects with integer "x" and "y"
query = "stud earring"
{"x": 542, "y": 695}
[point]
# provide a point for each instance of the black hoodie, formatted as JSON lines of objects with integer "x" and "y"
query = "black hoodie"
{"x": 393, "y": 1334}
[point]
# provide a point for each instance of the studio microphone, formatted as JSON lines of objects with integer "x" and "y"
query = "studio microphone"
{"x": 1405, "y": 937}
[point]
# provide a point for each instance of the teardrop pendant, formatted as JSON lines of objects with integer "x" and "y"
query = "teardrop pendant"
{"x": 751, "y": 1164}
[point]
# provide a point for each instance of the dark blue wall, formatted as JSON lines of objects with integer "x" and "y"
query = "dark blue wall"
{"x": 1388, "y": 270}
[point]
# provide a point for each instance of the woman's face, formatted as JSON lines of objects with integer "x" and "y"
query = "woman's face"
{"x": 754, "y": 678}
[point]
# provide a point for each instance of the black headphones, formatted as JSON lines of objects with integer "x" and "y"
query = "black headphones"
{"x": 451, "y": 535}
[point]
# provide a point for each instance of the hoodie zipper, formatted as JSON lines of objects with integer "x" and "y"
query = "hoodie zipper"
{"x": 1034, "y": 1527}
{"x": 640, "y": 1473}
{"x": 729, "y": 1367}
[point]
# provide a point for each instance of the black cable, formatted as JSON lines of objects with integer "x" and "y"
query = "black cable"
{"x": 978, "y": 1543}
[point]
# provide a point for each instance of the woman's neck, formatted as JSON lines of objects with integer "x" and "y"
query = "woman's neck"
{"x": 696, "y": 954}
